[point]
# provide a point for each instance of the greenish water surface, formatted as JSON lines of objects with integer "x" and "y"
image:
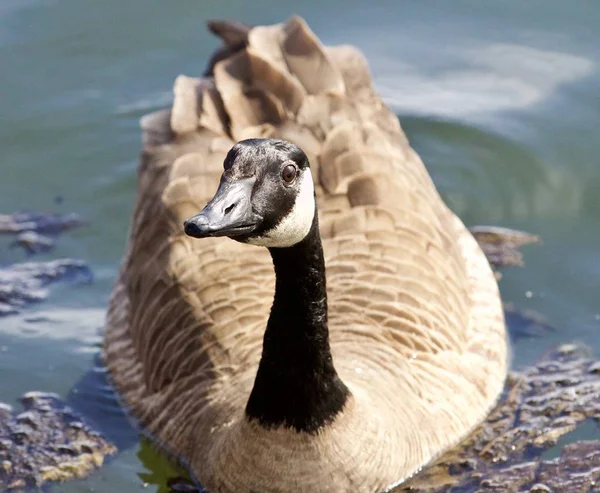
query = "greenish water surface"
{"x": 501, "y": 100}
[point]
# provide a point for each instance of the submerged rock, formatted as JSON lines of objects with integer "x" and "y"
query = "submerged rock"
{"x": 502, "y": 245}
{"x": 40, "y": 222}
{"x": 31, "y": 229}
{"x": 33, "y": 242}
{"x": 25, "y": 283}
{"x": 522, "y": 323}
{"x": 48, "y": 441}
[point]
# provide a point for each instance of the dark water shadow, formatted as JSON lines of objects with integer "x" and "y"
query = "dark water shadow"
{"x": 525, "y": 324}
{"x": 94, "y": 397}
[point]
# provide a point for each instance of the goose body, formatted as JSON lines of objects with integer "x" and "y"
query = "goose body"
{"x": 384, "y": 344}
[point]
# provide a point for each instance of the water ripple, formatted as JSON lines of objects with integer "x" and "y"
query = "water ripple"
{"x": 481, "y": 81}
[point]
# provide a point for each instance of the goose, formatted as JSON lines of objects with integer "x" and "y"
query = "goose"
{"x": 353, "y": 330}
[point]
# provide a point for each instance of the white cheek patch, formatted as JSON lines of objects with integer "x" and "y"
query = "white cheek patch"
{"x": 294, "y": 227}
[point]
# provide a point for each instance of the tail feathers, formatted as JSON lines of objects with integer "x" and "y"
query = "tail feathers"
{"x": 234, "y": 35}
{"x": 264, "y": 76}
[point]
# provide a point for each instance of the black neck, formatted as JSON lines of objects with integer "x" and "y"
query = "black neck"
{"x": 296, "y": 384}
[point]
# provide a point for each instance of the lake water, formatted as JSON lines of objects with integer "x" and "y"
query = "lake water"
{"x": 501, "y": 101}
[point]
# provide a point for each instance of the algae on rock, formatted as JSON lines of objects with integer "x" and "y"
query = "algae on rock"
{"x": 46, "y": 442}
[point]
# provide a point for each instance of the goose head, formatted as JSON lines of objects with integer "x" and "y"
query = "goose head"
{"x": 266, "y": 196}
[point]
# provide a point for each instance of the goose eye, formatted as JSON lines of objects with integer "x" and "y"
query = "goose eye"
{"x": 289, "y": 173}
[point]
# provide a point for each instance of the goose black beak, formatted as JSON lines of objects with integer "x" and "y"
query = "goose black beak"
{"x": 229, "y": 213}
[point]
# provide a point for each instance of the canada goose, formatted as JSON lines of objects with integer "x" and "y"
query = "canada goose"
{"x": 361, "y": 383}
